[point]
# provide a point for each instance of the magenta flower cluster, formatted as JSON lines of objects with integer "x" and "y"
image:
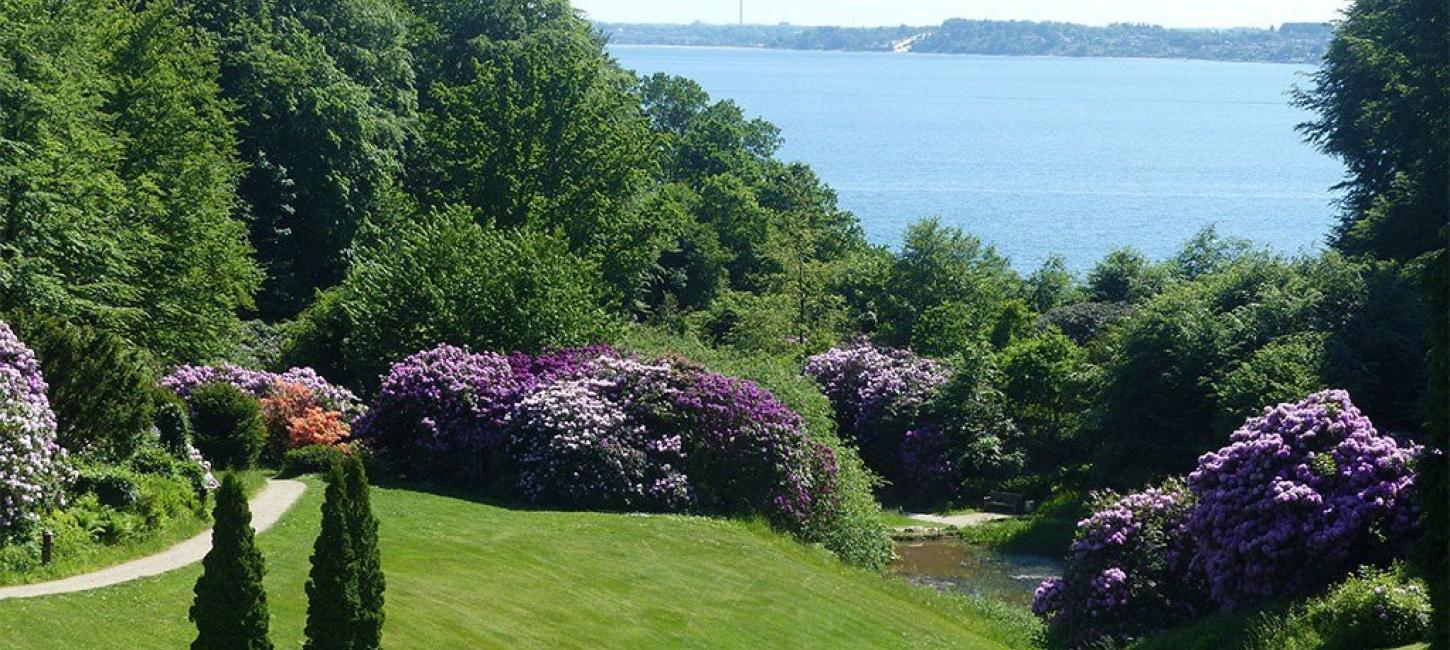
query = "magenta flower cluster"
{"x": 593, "y": 428}
{"x": 880, "y": 396}
{"x": 259, "y": 383}
{"x": 1300, "y": 497}
{"x": 34, "y": 470}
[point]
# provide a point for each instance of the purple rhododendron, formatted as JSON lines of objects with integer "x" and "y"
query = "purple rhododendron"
{"x": 34, "y": 470}
{"x": 1126, "y": 572}
{"x": 590, "y": 427}
{"x": 1300, "y": 497}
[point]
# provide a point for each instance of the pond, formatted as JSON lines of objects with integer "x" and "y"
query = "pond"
{"x": 949, "y": 564}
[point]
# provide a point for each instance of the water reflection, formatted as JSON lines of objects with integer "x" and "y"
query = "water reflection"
{"x": 951, "y": 564}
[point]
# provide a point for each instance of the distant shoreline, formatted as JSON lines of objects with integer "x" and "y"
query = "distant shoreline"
{"x": 766, "y": 48}
{"x": 1291, "y": 43}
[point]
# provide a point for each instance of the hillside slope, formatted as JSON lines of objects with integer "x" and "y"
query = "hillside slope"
{"x": 466, "y": 574}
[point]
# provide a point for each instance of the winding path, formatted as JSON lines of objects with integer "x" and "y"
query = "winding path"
{"x": 267, "y": 507}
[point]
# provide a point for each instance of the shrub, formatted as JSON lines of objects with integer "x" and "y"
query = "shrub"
{"x": 34, "y": 470}
{"x": 590, "y": 427}
{"x": 113, "y": 487}
{"x": 100, "y": 388}
{"x": 229, "y": 426}
{"x": 230, "y": 609}
{"x": 317, "y": 427}
{"x": 311, "y": 459}
{"x": 1083, "y": 322}
{"x": 1299, "y": 498}
{"x": 295, "y": 419}
{"x": 1372, "y": 609}
{"x": 173, "y": 426}
{"x": 1126, "y": 571}
{"x": 878, "y": 394}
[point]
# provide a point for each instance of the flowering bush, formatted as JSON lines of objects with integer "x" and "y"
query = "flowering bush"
{"x": 34, "y": 470}
{"x": 261, "y": 384}
{"x": 1126, "y": 571}
{"x": 589, "y": 427}
{"x": 1299, "y": 498}
{"x": 879, "y": 394}
{"x": 316, "y": 426}
{"x": 295, "y": 417}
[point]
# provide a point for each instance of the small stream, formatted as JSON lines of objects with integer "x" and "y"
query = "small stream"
{"x": 950, "y": 564}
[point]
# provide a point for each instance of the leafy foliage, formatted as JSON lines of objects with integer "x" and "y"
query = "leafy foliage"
{"x": 33, "y": 468}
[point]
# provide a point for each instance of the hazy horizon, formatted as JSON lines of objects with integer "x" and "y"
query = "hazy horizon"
{"x": 872, "y": 13}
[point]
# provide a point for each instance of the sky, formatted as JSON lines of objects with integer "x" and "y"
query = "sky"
{"x": 862, "y": 13}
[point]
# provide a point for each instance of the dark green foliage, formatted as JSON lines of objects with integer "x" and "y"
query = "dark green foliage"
{"x": 1432, "y": 556}
{"x": 1084, "y": 321}
{"x": 443, "y": 278}
{"x": 112, "y": 486}
{"x": 972, "y": 411}
{"x": 1124, "y": 276}
{"x": 367, "y": 628}
{"x": 1283, "y": 371}
{"x": 173, "y": 425}
{"x": 228, "y": 425}
{"x": 100, "y": 388}
{"x": 1048, "y": 385}
{"x": 346, "y": 583}
{"x": 332, "y": 589}
{"x": 1051, "y": 286}
{"x": 941, "y": 265}
{"x": 312, "y": 459}
{"x": 325, "y": 104}
{"x": 230, "y": 610}
{"x": 116, "y": 185}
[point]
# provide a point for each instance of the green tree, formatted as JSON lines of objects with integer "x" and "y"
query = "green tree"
{"x": 938, "y": 265}
{"x": 1382, "y": 105}
{"x": 230, "y": 610}
{"x": 1047, "y": 382}
{"x": 367, "y": 633}
{"x": 1051, "y": 286}
{"x": 442, "y": 278}
{"x": 1124, "y": 276}
{"x": 332, "y": 584}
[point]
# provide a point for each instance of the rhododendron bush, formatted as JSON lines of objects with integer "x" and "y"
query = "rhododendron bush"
{"x": 1126, "y": 571}
{"x": 591, "y": 427}
{"x": 1300, "y": 498}
{"x": 34, "y": 469}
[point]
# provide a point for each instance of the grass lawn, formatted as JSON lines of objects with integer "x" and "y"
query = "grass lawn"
{"x": 466, "y": 574}
{"x": 81, "y": 558}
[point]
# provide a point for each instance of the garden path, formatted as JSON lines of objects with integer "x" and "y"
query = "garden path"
{"x": 267, "y": 507}
{"x": 960, "y": 521}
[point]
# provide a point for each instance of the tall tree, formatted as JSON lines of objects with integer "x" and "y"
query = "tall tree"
{"x": 1382, "y": 104}
{"x": 332, "y": 586}
{"x": 367, "y": 563}
{"x": 230, "y": 610}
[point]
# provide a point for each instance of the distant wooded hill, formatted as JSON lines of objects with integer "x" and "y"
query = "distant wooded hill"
{"x": 1289, "y": 43}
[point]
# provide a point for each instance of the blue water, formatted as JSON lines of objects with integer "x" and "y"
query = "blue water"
{"x": 1037, "y": 155}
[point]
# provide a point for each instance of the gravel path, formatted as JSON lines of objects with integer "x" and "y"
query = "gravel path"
{"x": 267, "y": 507}
{"x": 961, "y": 521}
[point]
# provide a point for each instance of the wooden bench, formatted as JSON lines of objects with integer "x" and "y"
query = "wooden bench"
{"x": 1010, "y": 502}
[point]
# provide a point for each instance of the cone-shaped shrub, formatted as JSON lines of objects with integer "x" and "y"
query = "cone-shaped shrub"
{"x": 363, "y": 528}
{"x": 332, "y": 594}
{"x": 230, "y": 610}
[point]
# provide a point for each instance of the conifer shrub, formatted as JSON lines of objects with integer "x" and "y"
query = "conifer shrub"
{"x": 230, "y": 609}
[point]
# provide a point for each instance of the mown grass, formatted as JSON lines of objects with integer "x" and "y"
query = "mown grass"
{"x": 464, "y": 574}
{"x": 1046, "y": 532}
{"x": 84, "y": 556}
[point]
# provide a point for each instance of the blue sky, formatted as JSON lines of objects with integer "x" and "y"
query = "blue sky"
{"x": 1172, "y": 13}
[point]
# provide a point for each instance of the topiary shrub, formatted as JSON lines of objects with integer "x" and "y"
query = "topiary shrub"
{"x": 1301, "y": 497}
{"x": 229, "y": 427}
{"x": 34, "y": 470}
{"x": 100, "y": 387}
{"x": 1126, "y": 572}
{"x": 312, "y": 459}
